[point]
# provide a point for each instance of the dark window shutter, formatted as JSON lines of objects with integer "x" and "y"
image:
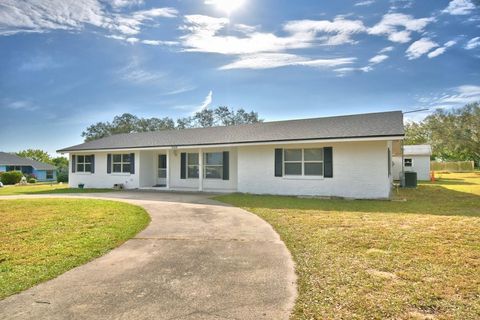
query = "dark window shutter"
{"x": 92, "y": 170}
{"x": 226, "y": 165}
{"x": 278, "y": 162}
{"x": 109, "y": 163}
{"x": 183, "y": 165}
{"x": 74, "y": 163}
{"x": 389, "y": 156}
{"x": 132, "y": 163}
{"x": 328, "y": 162}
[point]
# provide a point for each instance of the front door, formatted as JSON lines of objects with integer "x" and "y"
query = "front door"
{"x": 162, "y": 170}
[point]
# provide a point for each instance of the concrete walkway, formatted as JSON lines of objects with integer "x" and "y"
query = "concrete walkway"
{"x": 198, "y": 259}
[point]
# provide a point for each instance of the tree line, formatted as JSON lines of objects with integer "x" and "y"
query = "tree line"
{"x": 453, "y": 134}
{"x": 129, "y": 123}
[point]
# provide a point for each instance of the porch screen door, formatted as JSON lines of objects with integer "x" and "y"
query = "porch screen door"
{"x": 162, "y": 170}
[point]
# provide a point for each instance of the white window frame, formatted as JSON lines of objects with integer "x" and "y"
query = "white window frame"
{"x": 303, "y": 162}
{"x": 205, "y": 166}
{"x": 121, "y": 163}
{"x": 84, "y": 163}
{"x": 411, "y": 161}
{"x": 193, "y": 165}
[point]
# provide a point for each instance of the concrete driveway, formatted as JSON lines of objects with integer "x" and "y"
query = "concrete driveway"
{"x": 198, "y": 259}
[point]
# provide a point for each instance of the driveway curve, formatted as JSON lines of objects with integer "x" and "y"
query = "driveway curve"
{"x": 198, "y": 259}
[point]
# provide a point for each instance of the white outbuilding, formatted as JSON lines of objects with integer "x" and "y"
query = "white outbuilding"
{"x": 415, "y": 158}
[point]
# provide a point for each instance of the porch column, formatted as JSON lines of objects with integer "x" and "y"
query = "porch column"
{"x": 200, "y": 170}
{"x": 168, "y": 169}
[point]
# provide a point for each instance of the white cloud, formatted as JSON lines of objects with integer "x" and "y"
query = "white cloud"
{"x": 207, "y": 101}
{"x": 386, "y": 49}
{"x": 134, "y": 73}
{"x": 204, "y": 34}
{"x": 441, "y": 50}
{"x": 398, "y": 27}
{"x": 378, "y": 59}
{"x": 72, "y": 15}
{"x": 118, "y": 4}
{"x": 18, "y": 105}
{"x": 459, "y": 7}
{"x": 159, "y": 42}
{"x": 419, "y": 48}
{"x": 473, "y": 43}
{"x": 276, "y": 60}
{"x": 364, "y": 3}
{"x": 460, "y": 95}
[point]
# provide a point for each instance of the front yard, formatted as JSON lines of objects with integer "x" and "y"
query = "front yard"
{"x": 45, "y": 189}
{"x": 42, "y": 238}
{"x": 413, "y": 259}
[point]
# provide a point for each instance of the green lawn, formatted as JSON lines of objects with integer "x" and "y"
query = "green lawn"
{"x": 45, "y": 189}
{"x": 413, "y": 259}
{"x": 42, "y": 238}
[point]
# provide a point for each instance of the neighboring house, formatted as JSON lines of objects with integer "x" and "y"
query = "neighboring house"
{"x": 12, "y": 162}
{"x": 344, "y": 156}
{"x": 415, "y": 158}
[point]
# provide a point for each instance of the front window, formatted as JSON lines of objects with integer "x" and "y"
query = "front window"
{"x": 213, "y": 165}
{"x": 408, "y": 162}
{"x": 303, "y": 162}
{"x": 49, "y": 174}
{"x": 84, "y": 163}
{"x": 121, "y": 163}
{"x": 192, "y": 165}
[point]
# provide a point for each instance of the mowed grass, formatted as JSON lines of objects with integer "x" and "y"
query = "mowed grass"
{"x": 413, "y": 259}
{"x": 42, "y": 238}
{"x": 45, "y": 189}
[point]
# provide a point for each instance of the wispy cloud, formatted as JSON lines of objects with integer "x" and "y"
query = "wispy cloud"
{"x": 459, "y": 7}
{"x": 441, "y": 50}
{"x": 276, "y": 60}
{"x": 41, "y": 16}
{"x": 378, "y": 58}
{"x": 473, "y": 43}
{"x": 419, "y": 48}
{"x": 453, "y": 97}
{"x": 207, "y": 101}
{"x": 39, "y": 63}
{"x": 119, "y": 4}
{"x": 398, "y": 27}
{"x": 364, "y": 3}
{"x": 18, "y": 105}
{"x": 136, "y": 74}
{"x": 386, "y": 49}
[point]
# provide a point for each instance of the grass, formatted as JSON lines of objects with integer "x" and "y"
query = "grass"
{"x": 42, "y": 238}
{"x": 413, "y": 259}
{"x": 46, "y": 189}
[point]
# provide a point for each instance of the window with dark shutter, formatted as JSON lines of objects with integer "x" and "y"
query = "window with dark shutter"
{"x": 226, "y": 165}
{"x": 328, "y": 162}
{"x": 109, "y": 163}
{"x": 278, "y": 162}
{"x": 183, "y": 165}
{"x": 74, "y": 163}
{"x": 92, "y": 168}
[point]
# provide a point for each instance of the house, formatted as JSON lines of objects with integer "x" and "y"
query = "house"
{"x": 42, "y": 171}
{"x": 344, "y": 156}
{"x": 415, "y": 158}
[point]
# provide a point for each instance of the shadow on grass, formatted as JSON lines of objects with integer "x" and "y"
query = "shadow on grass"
{"x": 426, "y": 199}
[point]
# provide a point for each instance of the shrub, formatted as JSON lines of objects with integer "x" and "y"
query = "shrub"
{"x": 62, "y": 176}
{"x": 11, "y": 177}
{"x": 32, "y": 180}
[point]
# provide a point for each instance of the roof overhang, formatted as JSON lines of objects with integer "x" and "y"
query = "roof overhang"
{"x": 236, "y": 144}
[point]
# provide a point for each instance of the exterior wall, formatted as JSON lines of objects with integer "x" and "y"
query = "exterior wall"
{"x": 102, "y": 179}
{"x": 421, "y": 165}
{"x": 42, "y": 175}
{"x": 213, "y": 185}
{"x": 360, "y": 170}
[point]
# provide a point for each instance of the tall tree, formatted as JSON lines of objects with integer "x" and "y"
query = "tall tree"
{"x": 35, "y": 154}
{"x": 454, "y": 135}
{"x": 129, "y": 123}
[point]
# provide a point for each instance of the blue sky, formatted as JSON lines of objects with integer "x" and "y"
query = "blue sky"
{"x": 66, "y": 64}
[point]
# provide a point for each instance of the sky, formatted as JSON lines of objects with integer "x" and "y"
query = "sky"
{"x": 66, "y": 64}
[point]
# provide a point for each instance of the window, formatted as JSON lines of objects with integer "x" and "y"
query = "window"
{"x": 213, "y": 165}
{"x": 49, "y": 174}
{"x": 192, "y": 165}
{"x": 303, "y": 162}
{"x": 84, "y": 163}
{"x": 408, "y": 162}
{"x": 121, "y": 163}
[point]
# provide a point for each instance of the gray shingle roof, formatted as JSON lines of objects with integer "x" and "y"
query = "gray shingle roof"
{"x": 9, "y": 159}
{"x": 382, "y": 124}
